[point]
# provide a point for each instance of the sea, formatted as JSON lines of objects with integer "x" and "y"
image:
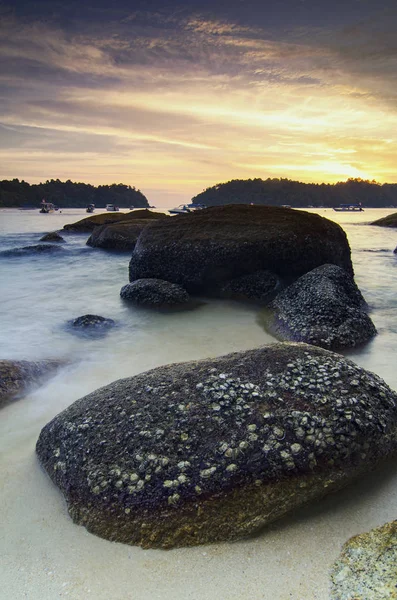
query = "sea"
{"x": 45, "y": 555}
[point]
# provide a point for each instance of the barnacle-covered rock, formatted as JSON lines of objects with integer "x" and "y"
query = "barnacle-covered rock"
{"x": 367, "y": 566}
{"x": 324, "y": 308}
{"x": 196, "y": 452}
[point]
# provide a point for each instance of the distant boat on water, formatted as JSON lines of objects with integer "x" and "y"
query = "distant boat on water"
{"x": 184, "y": 209}
{"x": 47, "y": 207}
{"x": 349, "y": 208}
{"x": 112, "y": 208}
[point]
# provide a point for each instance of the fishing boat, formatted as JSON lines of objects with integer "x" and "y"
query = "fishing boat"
{"x": 112, "y": 208}
{"x": 46, "y": 207}
{"x": 349, "y": 208}
{"x": 90, "y": 208}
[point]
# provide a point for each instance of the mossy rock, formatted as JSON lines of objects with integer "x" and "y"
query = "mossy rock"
{"x": 89, "y": 223}
{"x": 367, "y": 566}
{"x": 206, "y": 249}
{"x": 121, "y": 236}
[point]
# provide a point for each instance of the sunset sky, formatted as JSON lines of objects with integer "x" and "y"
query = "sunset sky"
{"x": 175, "y": 97}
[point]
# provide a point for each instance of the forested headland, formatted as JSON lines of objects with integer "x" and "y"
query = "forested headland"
{"x": 278, "y": 192}
{"x": 66, "y": 194}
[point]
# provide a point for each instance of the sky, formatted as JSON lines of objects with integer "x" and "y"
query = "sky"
{"x": 174, "y": 97}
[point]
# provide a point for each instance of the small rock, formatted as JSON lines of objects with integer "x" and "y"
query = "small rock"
{"x": 367, "y": 566}
{"x": 52, "y": 237}
{"x": 154, "y": 292}
{"x": 16, "y": 376}
{"x": 91, "y": 322}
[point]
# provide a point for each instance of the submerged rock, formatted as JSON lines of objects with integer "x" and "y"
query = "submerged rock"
{"x": 204, "y": 250}
{"x": 154, "y": 292}
{"x": 36, "y": 249}
{"x": 17, "y": 376}
{"x": 367, "y": 566}
{"x": 53, "y": 236}
{"x": 389, "y": 221}
{"x": 121, "y": 236}
{"x": 91, "y": 322}
{"x": 261, "y": 286}
{"x": 324, "y": 308}
{"x": 197, "y": 452}
{"x": 90, "y": 223}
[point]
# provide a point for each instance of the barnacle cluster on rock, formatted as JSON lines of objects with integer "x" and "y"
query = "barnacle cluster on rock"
{"x": 323, "y": 307}
{"x": 164, "y": 438}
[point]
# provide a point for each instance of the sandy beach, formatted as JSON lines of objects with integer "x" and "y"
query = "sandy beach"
{"x": 45, "y": 556}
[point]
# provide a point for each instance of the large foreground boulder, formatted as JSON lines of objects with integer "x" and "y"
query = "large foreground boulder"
{"x": 210, "y": 247}
{"x": 120, "y": 236}
{"x": 89, "y": 223}
{"x": 212, "y": 450}
{"x": 367, "y": 566}
{"x": 324, "y": 308}
{"x": 154, "y": 292}
{"x": 389, "y": 221}
{"x": 17, "y": 376}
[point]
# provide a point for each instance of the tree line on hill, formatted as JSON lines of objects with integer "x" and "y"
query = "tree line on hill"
{"x": 66, "y": 194}
{"x": 278, "y": 192}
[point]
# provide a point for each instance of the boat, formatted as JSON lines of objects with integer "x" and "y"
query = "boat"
{"x": 90, "y": 208}
{"x": 112, "y": 208}
{"x": 349, "y": 208}
{"x": 184, "y": 209}
{"x": 46, "y": 207}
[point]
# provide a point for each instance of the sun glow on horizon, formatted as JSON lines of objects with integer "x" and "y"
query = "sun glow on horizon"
{"x": 201, "y": 104}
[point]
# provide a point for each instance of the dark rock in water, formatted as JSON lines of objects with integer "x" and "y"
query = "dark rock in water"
{"x": 89, "y": 223}
{"x": 324, "y": 308}
{"x": 53, "y": 236}
{"x": 261, "y": 286}
{"x": 367, "y": 566}
{"x": 17, "y": 376}
{"x": 389, "y": 221}
{"x": 37, "y": 249}
{"x": 120, "y": 236}
{"x": 197, "y": 452}
{"x": 154, "y": 292}
{"x": 91, "y": 322}
{"x": 210, "y": 247}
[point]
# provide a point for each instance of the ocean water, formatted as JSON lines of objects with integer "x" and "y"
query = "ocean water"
{"x": 39, "y": 294}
